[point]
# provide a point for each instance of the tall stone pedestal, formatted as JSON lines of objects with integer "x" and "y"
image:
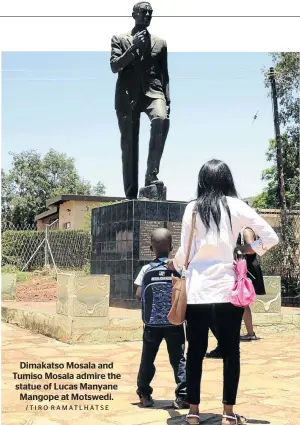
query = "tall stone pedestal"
{"x": 121, "y": 242}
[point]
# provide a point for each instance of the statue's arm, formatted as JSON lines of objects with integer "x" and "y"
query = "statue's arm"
{"x": 165, "y": 73}
{"x": 119, "y": 59}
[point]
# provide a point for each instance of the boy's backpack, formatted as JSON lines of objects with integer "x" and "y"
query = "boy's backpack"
{"x": 157, "y": 294}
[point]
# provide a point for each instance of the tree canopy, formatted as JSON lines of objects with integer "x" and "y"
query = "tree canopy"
{"x": 32, "y": 179}
{"x": 99, "y": 189}
{"x": 290, "y": 155}
{"x": 287, "y": 75}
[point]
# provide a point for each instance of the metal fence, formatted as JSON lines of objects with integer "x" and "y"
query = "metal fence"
{"x": 284, "y": 259}
{"x": 28, "y": 249}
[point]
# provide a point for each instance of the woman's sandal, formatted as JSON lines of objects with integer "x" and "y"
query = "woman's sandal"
{"x": 191, "y": 416}
{"x": 239, "y": 420}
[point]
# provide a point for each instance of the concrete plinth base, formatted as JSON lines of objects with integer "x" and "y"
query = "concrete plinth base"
{"x": 120, "y": 324}
{"x": 77, "y": 330}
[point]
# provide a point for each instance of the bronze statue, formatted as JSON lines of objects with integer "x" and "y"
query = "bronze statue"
{"x": 142, "y": 86}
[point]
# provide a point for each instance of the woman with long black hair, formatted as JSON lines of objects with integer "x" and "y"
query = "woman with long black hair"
{"x": 210, "y": 279}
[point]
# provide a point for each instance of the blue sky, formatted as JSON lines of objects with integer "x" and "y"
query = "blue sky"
{"x": 65, "y": 101}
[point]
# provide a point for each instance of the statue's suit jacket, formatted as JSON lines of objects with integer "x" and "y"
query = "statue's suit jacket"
{"x": 148, "y": 71}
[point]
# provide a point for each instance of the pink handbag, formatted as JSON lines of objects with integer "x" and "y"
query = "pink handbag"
{"x": 243, "y": 293}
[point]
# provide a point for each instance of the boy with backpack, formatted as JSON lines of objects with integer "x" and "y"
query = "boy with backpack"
{"x": 155, "y": 291}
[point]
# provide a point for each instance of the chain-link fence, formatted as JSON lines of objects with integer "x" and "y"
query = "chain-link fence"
{"x": 284, "y": 259}
{"x": 29, "y": 249}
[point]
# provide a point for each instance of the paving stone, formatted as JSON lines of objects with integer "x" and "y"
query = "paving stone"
{"x": 269, "y": 389}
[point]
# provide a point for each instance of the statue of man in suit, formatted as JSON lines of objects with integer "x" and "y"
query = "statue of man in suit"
{"x": 140, "y": 59}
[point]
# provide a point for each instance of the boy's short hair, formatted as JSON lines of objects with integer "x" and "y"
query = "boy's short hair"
{"x": 161, "y": 234}
{"x": 161, "y": 241}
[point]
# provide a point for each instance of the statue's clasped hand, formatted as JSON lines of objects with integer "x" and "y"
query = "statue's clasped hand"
{"x": 139, "y": 39}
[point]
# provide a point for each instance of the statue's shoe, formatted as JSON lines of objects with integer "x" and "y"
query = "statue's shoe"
{"x": 152, "y": 179}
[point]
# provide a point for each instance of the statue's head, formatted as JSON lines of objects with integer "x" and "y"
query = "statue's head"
{"x": 142, "y": 14}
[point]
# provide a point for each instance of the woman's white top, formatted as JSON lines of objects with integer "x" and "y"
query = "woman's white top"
{"x": 210, "y": 275}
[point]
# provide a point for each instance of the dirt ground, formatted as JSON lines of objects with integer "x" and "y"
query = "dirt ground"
{"x": 37, "y": 288}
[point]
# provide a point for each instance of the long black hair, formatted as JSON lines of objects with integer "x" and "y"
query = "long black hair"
{"x": 215, "y": 182}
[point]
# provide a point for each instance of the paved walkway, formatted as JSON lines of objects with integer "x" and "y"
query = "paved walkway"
{"x": 269, "y": 388}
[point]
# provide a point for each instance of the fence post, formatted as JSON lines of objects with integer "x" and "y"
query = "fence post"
{"x": 46, "y": 265}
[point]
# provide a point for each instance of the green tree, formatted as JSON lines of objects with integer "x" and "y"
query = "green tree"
{"x": 6, "y": 197}
{"x": 290, "y": 155}
{"x": 287, "y": 74}
{"x": 260, "y": 201}
{"x": 33, "y": 179}
{"x": 62, "y": 176}
{"x": 99, "y": 189}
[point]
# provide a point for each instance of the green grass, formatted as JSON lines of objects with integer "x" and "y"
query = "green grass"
{"x": 25, "y": 276}
{"x": 21, "y": 276}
